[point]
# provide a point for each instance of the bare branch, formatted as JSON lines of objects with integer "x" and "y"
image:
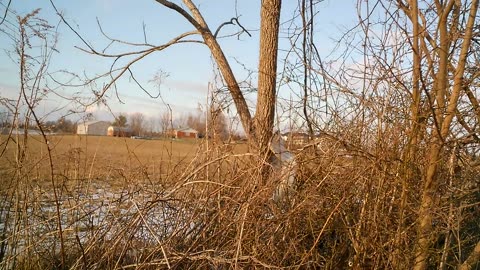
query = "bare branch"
{"x": 6, "y": 11}
{"x": 233, "y": 21}
{"x": 182, "y": 12}
{"x": 473, "y": 259}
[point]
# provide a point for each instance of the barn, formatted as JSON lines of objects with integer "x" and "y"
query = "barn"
{"x": 184, "y": 133}
{"x": 93, "y": 128}
{"x": 119, "y": 131}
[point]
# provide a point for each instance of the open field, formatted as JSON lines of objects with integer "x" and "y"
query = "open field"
{"x": 99, "y": 157}
{"x": 104, "y": 151}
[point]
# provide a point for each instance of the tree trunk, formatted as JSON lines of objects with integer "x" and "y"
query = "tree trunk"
{"x": 196, "y": 19}
{"x": 410, "y": 153}
{"x": 267, "y": 68}
{"x": 444, "y": 115}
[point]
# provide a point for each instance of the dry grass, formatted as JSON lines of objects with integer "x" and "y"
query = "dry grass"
{"x": 111, "y": 159}
{"x": 104, "y": 151}
{"x": 148, "y": 204}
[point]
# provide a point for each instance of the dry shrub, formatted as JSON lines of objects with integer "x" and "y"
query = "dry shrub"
{"x": 215, "y": 211}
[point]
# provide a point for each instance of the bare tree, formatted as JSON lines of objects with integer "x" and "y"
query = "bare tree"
{"x": 165, "y": 122}
{"x": 450, "y": 59}
{"x": 137, "y": 123}
{"x": 258, "y": 128}
{"x": 217, "y": 123}
{"x": 150, "y": 125}
{"x": 196, "y": 121}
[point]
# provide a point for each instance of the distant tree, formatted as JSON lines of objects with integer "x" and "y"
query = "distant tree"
{"x": 120, "y": 121}
{"x": 64, "y": 125}
{"x": 181, "y": 121}
{"x": 150, "y": 125}
{"x": 165, "y": 122}
{"x": 197, "y": 122}
{"x": 217, "y": 123}
{"x": 137, "y": 122}
{"x": 50, "y": 126}
{"x": 61, "y": 125}
{"x": 4, "y": 118}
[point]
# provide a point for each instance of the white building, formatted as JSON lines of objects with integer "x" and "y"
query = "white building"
{"x": 93, "y": 128}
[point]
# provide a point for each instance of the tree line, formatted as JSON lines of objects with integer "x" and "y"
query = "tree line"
{"x": 213, "y": 124}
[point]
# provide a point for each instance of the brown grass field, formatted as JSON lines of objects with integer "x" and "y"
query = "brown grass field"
{"x": 100, "y": 157}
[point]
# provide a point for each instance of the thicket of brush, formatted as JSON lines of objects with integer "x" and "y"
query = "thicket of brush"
{"x": 217, "y": 212}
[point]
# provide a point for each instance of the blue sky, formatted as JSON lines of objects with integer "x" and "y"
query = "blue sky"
{"x": 189, "y": 65}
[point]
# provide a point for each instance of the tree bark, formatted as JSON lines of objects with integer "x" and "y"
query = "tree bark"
{"x": 410, "y": 154}
{"x": 267, "y": 67}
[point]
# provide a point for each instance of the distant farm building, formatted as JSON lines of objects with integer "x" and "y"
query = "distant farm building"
{"x": 183, "y": 133}
{"x": 119, "y": 131}
{"x": 93, "y": 128}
